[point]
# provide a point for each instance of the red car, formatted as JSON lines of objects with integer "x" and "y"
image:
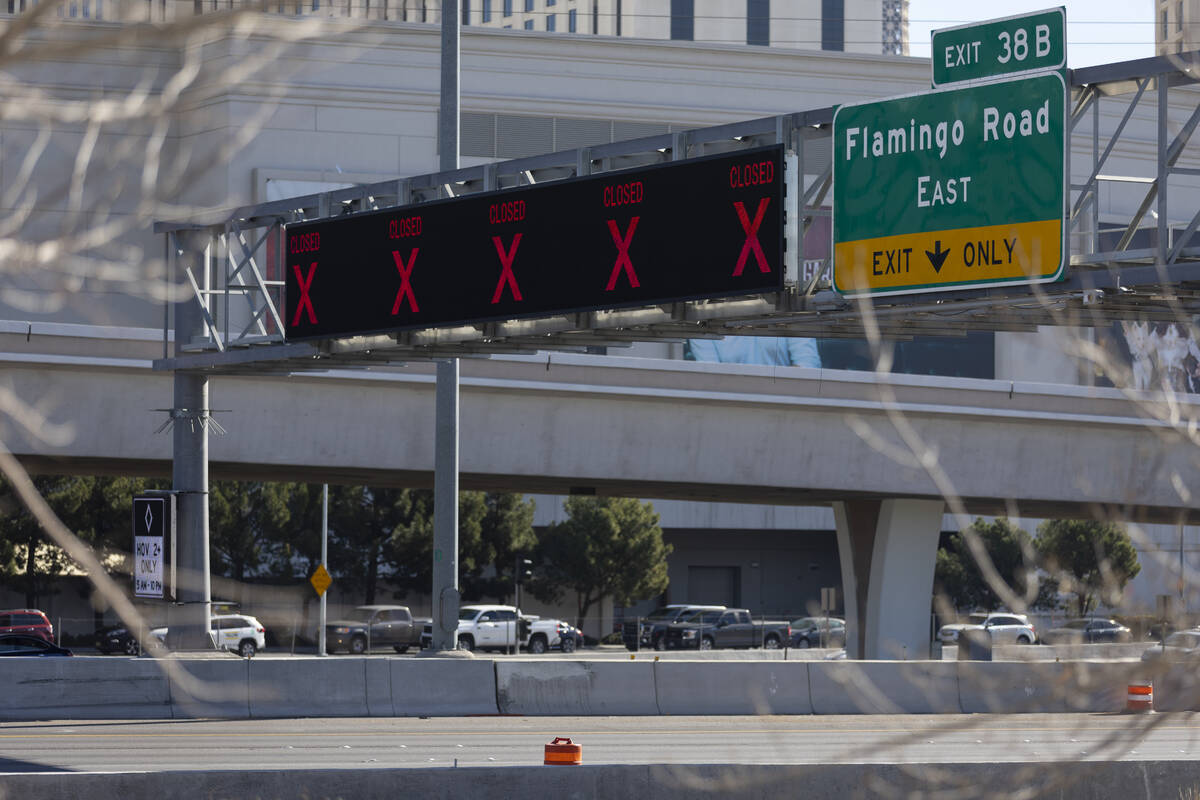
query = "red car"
{"x": 28, "y": 621}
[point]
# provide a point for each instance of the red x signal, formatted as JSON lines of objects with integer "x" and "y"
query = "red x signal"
{"x": 751, "y": 229}
{"x": 506, "y": 273}
{"x": 622, "y": 243}
{"x": 305, "y": 297}
{"x": 405, "y": 274}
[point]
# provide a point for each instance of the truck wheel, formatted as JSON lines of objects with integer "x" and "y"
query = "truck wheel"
{"x": 568, "y": 644}
{"x": 400, "y": 648}
{"x": 466, "y": 642}
{"x": 660, "y": 643}
{"x": 771, "y": 642}
{"x": 358, "y": 646}
{"x": 804, "y": 644}
{"x": 1023, "y": 639}
{"x": 537, "y": 645}
{"x": 707, "y": 643}
{"x": 247, "y": 648}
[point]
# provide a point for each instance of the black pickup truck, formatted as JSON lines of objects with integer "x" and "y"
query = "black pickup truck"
{"x": 648, "y": 631}
{"x": 733, "y": 627}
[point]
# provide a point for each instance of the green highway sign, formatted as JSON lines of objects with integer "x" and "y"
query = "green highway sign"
{"x": 955, "y": 188}
{"x": 1008, "y": 46}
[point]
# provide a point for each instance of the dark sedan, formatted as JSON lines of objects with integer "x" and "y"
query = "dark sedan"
{"x": 818, "y": 632}
{"x": 26, "y": 645}
{"x": 1088, "y": 631}
{"x": 117, "y": 639}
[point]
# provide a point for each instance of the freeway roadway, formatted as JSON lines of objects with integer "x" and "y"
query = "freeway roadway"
{"x": 400, "y": 742}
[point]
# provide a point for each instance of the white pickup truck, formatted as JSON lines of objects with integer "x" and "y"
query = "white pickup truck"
{"x": 485, "y": 627}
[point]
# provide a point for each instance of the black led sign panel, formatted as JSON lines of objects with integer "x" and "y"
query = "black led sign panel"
{"x": 710, "y": 227}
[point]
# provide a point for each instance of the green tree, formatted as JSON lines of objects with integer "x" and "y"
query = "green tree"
{"x": 505, "y": 530}
{"x": 959, "y": 578}
{"x": 1089, "y": 559}
{"x": 28, "y": 558}
{"x": 247, "y": 521}
{"x": 607, "y": 547}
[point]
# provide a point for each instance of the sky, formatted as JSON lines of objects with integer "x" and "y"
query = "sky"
{"x": 1098, "y": 31}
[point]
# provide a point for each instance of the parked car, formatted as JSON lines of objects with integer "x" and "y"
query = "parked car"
{"x": 493, "y": 627}
{"x": 1004, "y": 627}
{"x": 733, "y": 627}
{"x": 117, "y": 639}
{"x": 818, "y": 632}
{"x": 368, "y": 627}
{"x": 240, "y": 633}
{"x": 648, "y": 631}
{"x": 26, "y": 620}
{"x": 570, "y": 638}
{"x": 1088, "y": 631}
{"x": 26, "y": 644}
{"x": 1178, "y": 646}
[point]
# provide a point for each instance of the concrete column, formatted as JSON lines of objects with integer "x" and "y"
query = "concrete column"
{"x": 189, "y": 478}
{"x": 888, "y": 549}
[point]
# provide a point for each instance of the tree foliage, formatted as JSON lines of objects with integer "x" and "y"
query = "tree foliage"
{"x": 1091, "y": 560}
{"x": 607, "y": 547}
{"x": 960, "y": 580}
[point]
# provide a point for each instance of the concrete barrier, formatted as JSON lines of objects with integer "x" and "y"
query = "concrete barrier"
{"x": 1176, "y": 686}
{"x": 216, "y": 686}
{"x": 770, "y": 687}
{"x": 308, "y": 687}
{"x": 1088, "y": 780}
{"x": 378, "y": 677}
{"x": 884, "y": 687}
{"x": 576, "y": 688}
{"x": 78, "y": 688}
{"x": 442, "y": 687}
{"x": 1043, "y": 687}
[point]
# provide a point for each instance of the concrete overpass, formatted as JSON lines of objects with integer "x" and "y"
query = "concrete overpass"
{"x": 561, "y": 423}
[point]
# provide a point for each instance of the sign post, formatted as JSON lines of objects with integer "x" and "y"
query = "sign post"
{"x": 154, "y": 546}
{"x": 955, "y": 188}
{"x": 1026, "y": 43}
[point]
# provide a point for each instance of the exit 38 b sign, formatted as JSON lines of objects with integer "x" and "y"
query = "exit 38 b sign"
{"x": 704, "y": 228}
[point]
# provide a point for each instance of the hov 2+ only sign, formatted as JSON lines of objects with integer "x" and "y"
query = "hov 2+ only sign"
{"x": 154, "y": 546}
{"x": 956, "y": 188}
{"x": 1020, "y": 44}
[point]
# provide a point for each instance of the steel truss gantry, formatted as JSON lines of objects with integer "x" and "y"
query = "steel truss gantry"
{"x": 1142, "y": 267}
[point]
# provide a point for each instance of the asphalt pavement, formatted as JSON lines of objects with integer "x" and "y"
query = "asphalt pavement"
{"x": 399, "y": 742}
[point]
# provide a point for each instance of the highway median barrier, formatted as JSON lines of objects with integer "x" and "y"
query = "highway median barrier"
{"x": 884, "y": 687}
{"x": 210, "y": 687}
{"x": 308, "y": 687}
{"x": 83, "y": 688}
{"x": 442, "y": 687}
{"x": 731, "y": 687}
{"x": 576, "y": 688}
{"x": 1045, "y": 687}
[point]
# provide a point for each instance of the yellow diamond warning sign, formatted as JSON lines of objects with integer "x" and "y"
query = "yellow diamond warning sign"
{"x": 992, "y": 254}
{"x": 320, "y": 580}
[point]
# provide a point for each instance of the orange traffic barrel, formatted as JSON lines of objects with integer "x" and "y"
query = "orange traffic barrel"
{"x": 562, "y": 751}
{"x": 1140, "y": 697}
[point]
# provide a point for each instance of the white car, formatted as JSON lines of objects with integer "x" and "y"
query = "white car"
{"x": 240, "y": 633}
{"x": 1005, "y": 628}
{"x": 493, "y": 627}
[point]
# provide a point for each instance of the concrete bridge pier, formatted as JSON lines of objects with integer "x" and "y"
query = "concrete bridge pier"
{"x": 888, "y": 549}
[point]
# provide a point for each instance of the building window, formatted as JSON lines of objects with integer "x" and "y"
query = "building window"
{"x": 758, "y": 22}
{"x": 683, "y": 19}
{"x": 508, "y": 8}
{"x": 528, "y": 24}
{"x": 595, "y": 17}
{"x": 1165, "y": 29}
{"x": 1179, "y": 16}
{"x": 529, "y": 5}
{"x": 833, "y": 24}
{"x": 465, "y": 19}
{"x": 572, "y": 23}
{"x": 485, "y": 11}
{"x": 551, "y": 2}
{"x": 550, "y": 21}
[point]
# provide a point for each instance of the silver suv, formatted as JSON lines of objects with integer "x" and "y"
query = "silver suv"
{"x": 1004, "y": 627}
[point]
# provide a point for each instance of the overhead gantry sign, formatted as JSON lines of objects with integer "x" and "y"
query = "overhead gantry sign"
{"x": 703, "y": 228}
